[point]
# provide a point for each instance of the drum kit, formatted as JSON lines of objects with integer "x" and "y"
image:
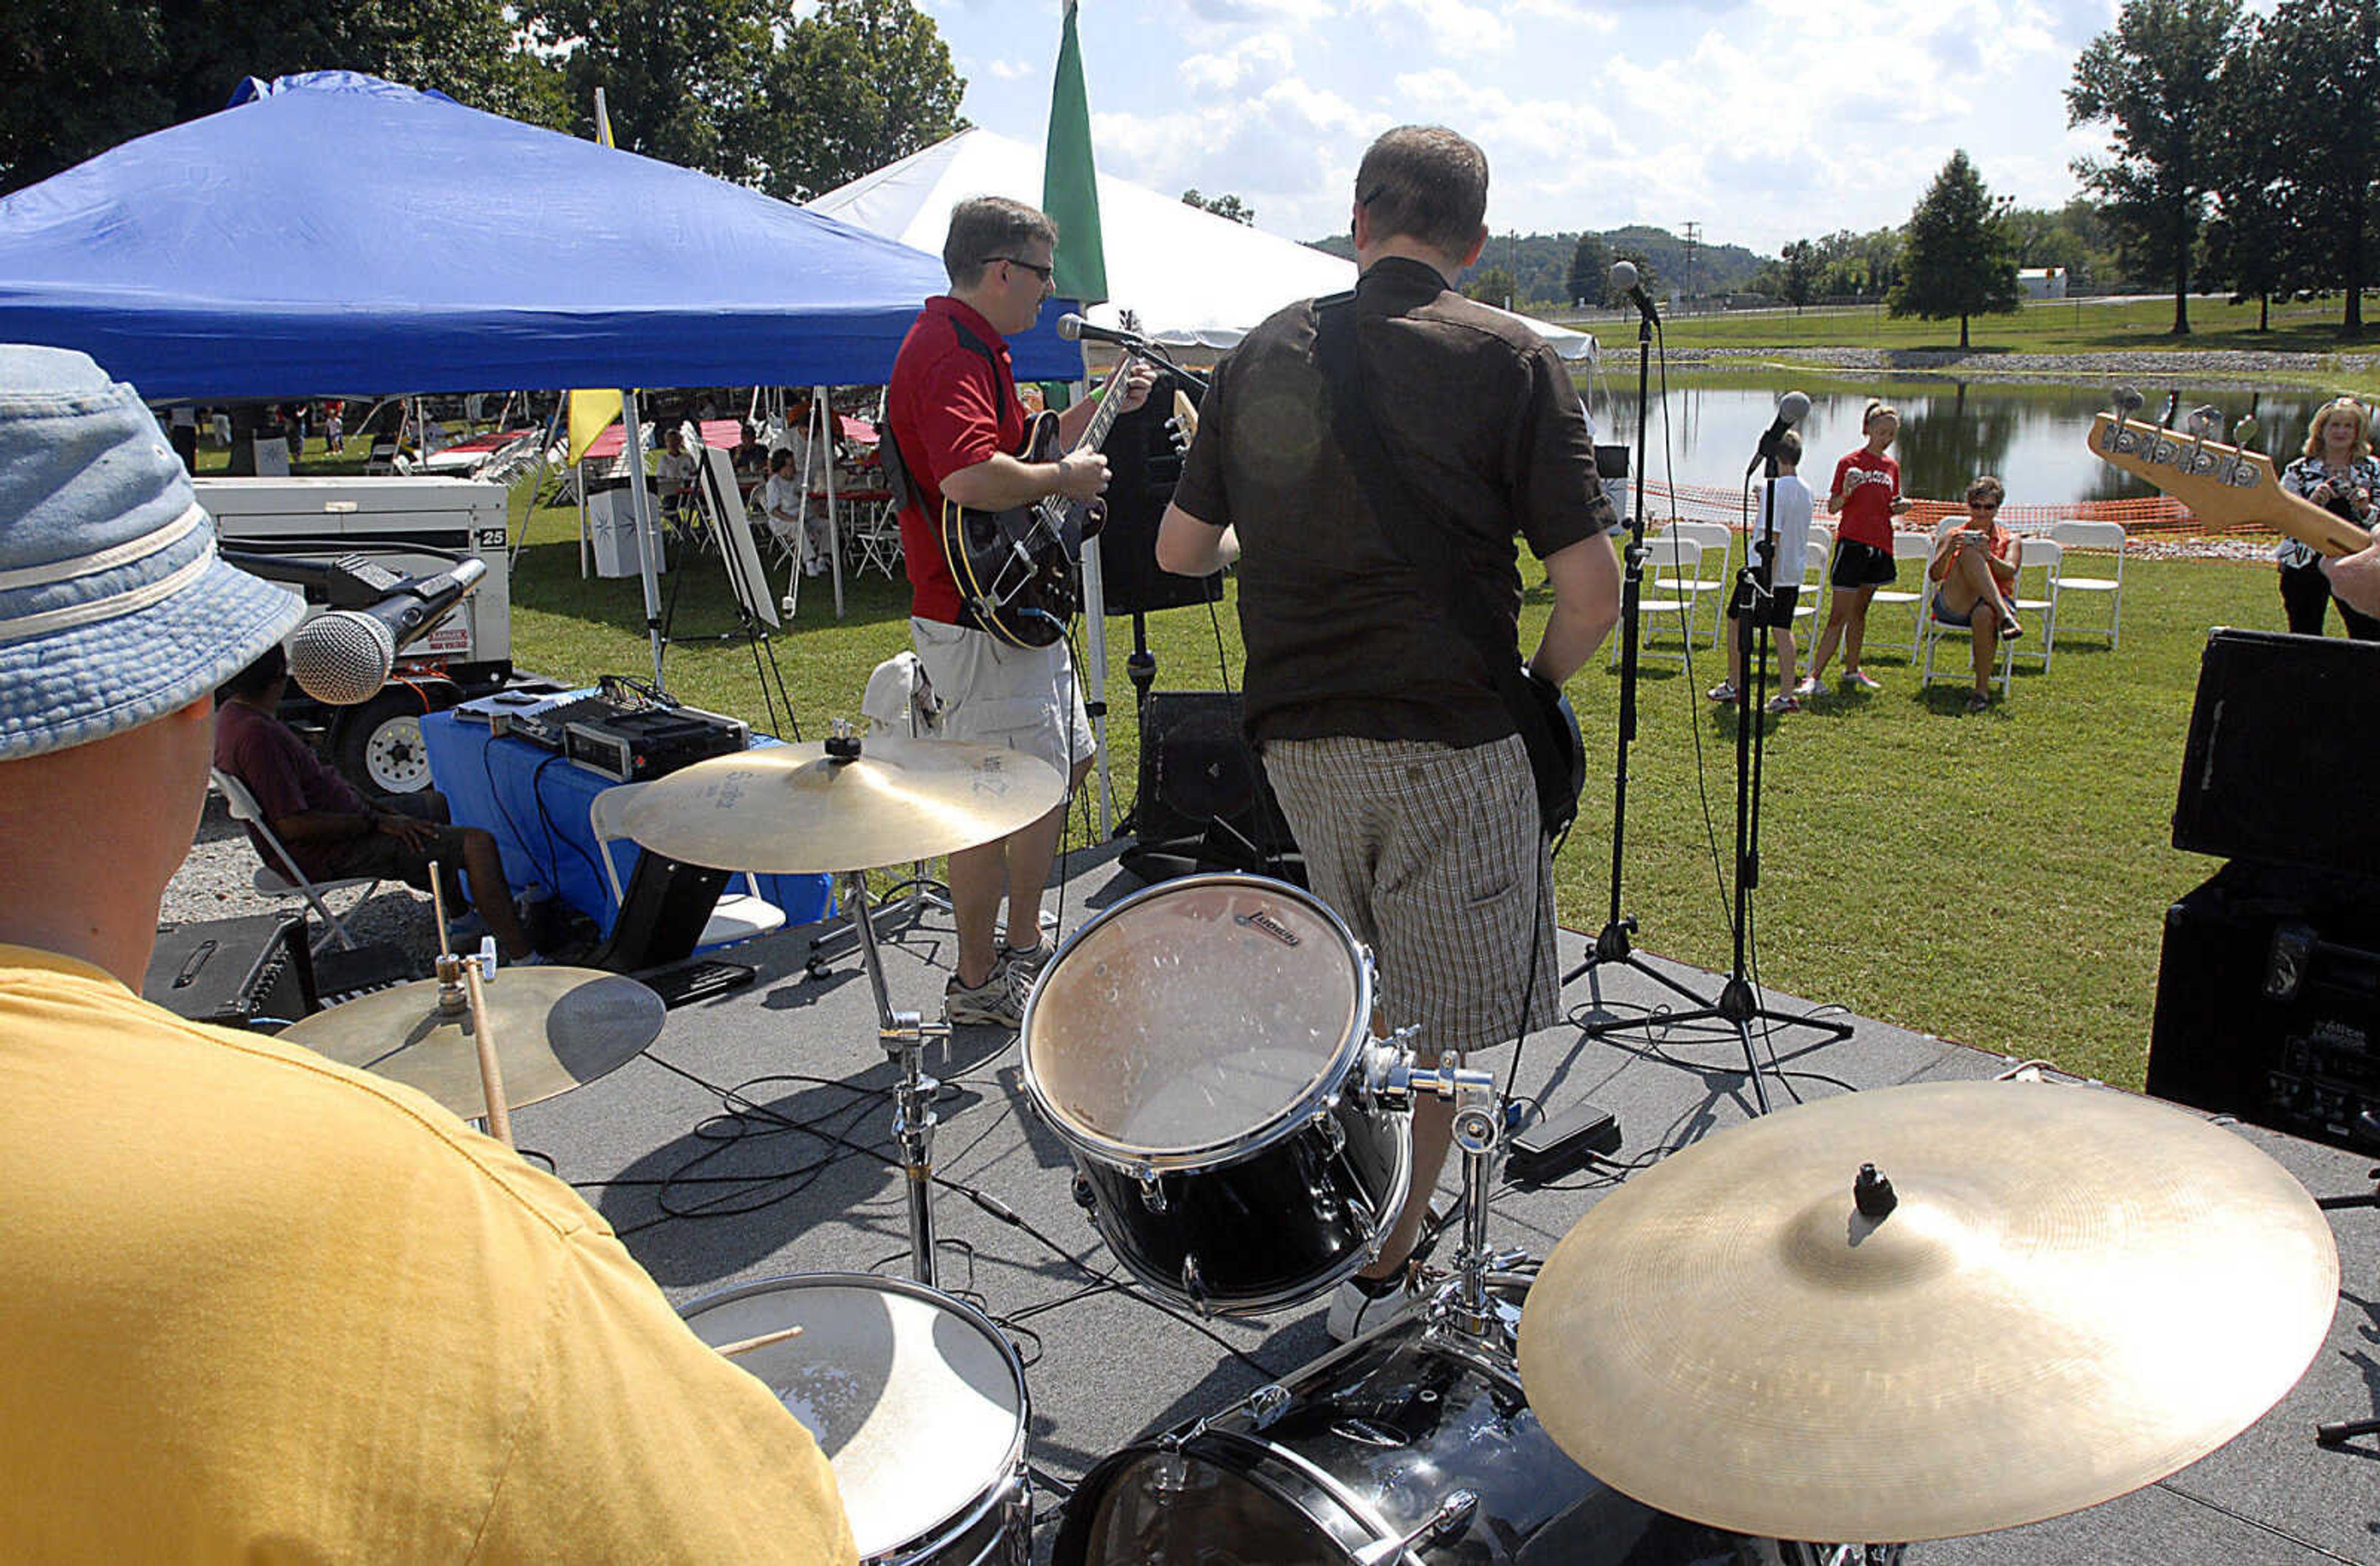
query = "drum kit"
{"x": 1882, "y": 1317}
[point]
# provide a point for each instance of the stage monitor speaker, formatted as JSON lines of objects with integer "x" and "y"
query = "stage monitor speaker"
{"x": 2269, "y": 1003}
{"x": 1143, "y": 468}
{"x": 662, "y": 910}
{"x": 234, "y": 972}
{"x": 1197, "y": 770}
{"x": 2281, "y": 723}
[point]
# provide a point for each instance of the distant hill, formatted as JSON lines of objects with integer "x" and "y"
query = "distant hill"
{"x": 1541, "y": 262}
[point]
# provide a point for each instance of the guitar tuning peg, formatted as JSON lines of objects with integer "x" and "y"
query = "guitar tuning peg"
{"x": 2205, "y": 422}
{"x": 2244, "y": 433}
{"x": 2127, "y": 402}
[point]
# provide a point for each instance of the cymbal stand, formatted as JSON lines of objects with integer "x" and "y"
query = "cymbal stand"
{"x": 904, "y": 1036}
{"x": 2340, "y": 1432}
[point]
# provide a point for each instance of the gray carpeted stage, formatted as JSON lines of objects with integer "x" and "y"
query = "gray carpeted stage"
{"x": 1105, "y": 1366}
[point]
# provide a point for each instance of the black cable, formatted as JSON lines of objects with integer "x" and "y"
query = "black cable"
{"x": 554, "y": 839}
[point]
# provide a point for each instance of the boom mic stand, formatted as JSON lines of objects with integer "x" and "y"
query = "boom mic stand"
{"x": 1612, "y": 945}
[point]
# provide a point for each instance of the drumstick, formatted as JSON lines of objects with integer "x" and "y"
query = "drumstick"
{"x": 745, "y": 1345}
{"x": 492, "y": 1074}
{"x": 437, "y": 909}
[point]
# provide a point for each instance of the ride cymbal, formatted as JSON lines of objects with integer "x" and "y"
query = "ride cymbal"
{"x": 793, "y": 809}
{"x": 2073, "y": 1292}
{"x": 555, "y": 1028}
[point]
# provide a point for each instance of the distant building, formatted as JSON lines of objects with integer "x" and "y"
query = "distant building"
{"x": 2042, "y": 281}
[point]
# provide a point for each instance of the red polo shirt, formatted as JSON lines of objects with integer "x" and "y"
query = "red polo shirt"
{"x": 950, "y": 407}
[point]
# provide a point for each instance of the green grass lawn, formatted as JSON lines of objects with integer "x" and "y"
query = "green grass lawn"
{"x": 1998, "y": 879}
{"x": 2045, "y": 326}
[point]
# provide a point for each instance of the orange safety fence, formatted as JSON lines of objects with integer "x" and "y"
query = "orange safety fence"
{"x": 2159, "y": 514}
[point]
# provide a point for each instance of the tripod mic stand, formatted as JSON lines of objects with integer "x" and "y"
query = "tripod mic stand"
{"x": 1613, "y": 945}
{"x": 1739, "y": 1005}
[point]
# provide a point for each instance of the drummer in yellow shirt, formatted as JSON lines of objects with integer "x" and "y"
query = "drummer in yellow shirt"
{"x": 258, "y": 1307}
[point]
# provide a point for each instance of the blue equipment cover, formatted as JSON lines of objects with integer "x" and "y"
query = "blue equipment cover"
{"x": 335, "y": 233}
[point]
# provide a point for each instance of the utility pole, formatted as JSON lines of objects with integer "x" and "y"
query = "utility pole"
{"x": 1694, "y": 243}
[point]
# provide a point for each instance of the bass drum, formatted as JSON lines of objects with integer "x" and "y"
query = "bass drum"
{"x": 1358, "y": 1450}
{"x": 1199, "y": 1047}
{"x": 918, "y": 1402}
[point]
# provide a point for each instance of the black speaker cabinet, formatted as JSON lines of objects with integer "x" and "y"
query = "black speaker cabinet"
{"x": 234, "y": 972}
{"x": 1199, "y": 770}
{"x": 2268, "y": 1003}
{"x": 2283, "y": 729}
{"x": 1143, "y": 468}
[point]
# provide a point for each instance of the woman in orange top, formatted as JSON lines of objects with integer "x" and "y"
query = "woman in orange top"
{"x": 1974, "y": 571}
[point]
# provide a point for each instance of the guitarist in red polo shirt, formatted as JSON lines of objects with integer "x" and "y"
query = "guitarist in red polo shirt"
{"x": 952, "y": 411}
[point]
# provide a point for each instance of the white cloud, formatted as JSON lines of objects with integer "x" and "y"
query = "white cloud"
{"x": 1011, "y": 70}
{"x": 1253, "y": 63}
{"x": 1452, "y": 28}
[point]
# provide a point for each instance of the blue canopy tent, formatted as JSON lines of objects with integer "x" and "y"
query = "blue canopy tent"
{"x": 333, "y": 233}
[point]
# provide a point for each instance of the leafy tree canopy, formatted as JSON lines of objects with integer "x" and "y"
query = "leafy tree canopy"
{"x": 1955, "y": 259}
{"x": 1225, "y": 205}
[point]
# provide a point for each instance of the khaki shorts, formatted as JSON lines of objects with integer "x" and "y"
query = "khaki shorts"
{"x": 1019, "y": 698}
{"x": 1434, "y": 857}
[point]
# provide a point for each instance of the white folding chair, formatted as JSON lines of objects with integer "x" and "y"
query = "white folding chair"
{"x": 1930, "y": 631}
{"x": 1708, "y": 583}
{"x": 738, "y": 917}
{"x": 1817, "y": 564}
{"x": 2096, "y": 538}
{"x": 1906, "y": 546}
{"x": 878, "y": 539}
{"x": 290, "y": 878}
{"x": 1678, "y": 560}
{"x": 2040, "y": 610}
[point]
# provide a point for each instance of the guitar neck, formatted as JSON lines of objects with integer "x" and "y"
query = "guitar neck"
{"x": 2224, "y": 485}
{"x": 1103, "y": 419}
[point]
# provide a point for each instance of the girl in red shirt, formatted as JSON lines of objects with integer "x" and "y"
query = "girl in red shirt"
{"x": 1866, "y": 496}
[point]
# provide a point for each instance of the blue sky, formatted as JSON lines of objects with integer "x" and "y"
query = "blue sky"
{"x": 1763, "y": 121}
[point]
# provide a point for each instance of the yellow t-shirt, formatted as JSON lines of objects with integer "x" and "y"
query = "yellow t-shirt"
{"x": 256, "y": 1306}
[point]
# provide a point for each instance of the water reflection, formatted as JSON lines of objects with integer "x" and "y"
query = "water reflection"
{"x": 2031, "y": 434}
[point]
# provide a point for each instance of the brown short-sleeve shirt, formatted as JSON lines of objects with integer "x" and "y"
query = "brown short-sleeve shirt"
{"x": 1342, "y": 636}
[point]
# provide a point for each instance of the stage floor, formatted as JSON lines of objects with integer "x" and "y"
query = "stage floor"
{"x": 705, "y": 1199}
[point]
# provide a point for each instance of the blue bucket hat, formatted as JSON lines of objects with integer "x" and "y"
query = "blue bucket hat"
{"x": 114, "y": 608}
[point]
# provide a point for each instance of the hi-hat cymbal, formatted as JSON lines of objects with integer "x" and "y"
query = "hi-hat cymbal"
{"x": 555, "y": 1028}
{"x": 793, "y": 809}
{"x": 2078, "y": 1293}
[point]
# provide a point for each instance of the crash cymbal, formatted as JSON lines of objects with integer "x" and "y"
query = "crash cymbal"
{"x": 793, "y": 809}
{"x": 554, "y": 1028}
{"x": 2078, "y": 1293}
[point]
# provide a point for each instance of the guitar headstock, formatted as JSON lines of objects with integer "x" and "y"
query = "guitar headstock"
{"x": 1184, "y": 425}
{"x": 2224, "y": 484}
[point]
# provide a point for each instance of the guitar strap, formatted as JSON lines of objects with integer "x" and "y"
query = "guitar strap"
{"x": 898, "y": 473}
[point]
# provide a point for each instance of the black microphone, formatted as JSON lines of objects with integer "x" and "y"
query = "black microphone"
{"x": 1792, "y": 409}
{"x": 343, "y": 656}
{"x": 1624, "y": 278}
{"x": 1073, "y": 328}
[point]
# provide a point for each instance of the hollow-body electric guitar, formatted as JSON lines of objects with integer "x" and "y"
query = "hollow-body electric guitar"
{"x": 1020, "y": 571}
{"x": 2224, "y": 484}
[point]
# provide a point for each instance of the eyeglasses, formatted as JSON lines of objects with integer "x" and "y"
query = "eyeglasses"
{"x": 1983, "y": 506}
{"x": 1044, "y": 272}
{"x": 1374, "y": 194}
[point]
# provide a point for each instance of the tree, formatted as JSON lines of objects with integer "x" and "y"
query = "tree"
{"x": 1798, "y": 273}
{"x": 764, "y": 92}
{"x": 1225, "y": 205}
{"x": 1490, "y": 285}
{"x": 1646, "y": 278}
{"x": 2155, "y": 78}
{"x": 1589, "y": 281}
{"x": 2300, "y": 153}
{"x": 1955, "y": 259}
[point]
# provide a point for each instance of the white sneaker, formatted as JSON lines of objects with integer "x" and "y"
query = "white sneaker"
{"x": 1355, "y": 1311}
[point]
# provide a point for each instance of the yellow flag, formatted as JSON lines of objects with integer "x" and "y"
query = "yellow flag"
{"x": 591, "y": 413}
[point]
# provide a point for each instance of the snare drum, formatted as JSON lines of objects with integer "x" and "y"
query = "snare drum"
{"x": 918, "y": 1402}
{"x": 1361, "y": 1449}
{"x": 1199, "y": 1049}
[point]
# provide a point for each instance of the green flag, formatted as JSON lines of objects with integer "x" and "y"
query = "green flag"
{"x": 1070, "y": 192}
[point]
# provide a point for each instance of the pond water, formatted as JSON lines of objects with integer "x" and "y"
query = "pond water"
{"x": 2031, "y": 434}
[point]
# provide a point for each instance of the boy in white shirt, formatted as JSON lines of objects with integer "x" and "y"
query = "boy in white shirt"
{"x": 1793, "y": 510}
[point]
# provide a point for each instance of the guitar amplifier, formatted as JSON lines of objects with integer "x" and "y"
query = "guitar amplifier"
{"x": 2280, "y": 718}
{"x": 235, "y": 973}
{"x": 2268, "y": 1003}
{"x": 1143, "y": 468}
{"x": 1198, "y": 773}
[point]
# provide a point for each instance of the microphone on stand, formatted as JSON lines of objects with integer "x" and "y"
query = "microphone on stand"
{"x": 1625, "y": 278}
{"x": 343, "y": 656}
{"x": 1792, "y": 409}
{"x": 1073, "y": 328}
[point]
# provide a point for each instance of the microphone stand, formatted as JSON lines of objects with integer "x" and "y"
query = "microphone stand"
{"x": 1612, "y": 945}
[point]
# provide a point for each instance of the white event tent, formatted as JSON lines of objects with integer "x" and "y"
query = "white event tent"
{"x": 1192, "y": 278}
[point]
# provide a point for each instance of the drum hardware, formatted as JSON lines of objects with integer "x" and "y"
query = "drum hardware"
{"x": 1454, "y": 1515}
{"x": 1464, "y": 1301}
